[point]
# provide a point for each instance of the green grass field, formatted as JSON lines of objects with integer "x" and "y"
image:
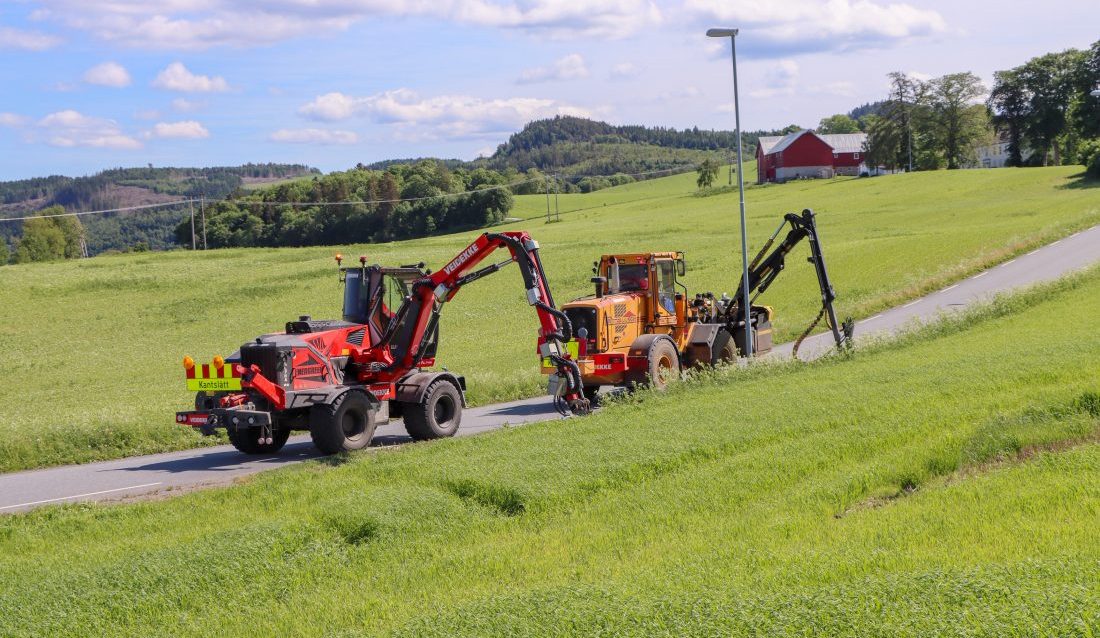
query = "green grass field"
{"x": 946, "y": 484}
{"x": 90, "y": 350}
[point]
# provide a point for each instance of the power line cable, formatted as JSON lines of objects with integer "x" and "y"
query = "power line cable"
{"x": 96, "y": 212}
{"x": 341, "y": 203}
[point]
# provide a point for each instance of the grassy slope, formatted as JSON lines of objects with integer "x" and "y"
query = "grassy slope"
{"x": 90, "y": 350}
{"x": 856, "y": 496}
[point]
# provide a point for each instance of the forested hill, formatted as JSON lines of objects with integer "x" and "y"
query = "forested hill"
{"x": 121, "y": 187}
{"x": 574, "y": 146}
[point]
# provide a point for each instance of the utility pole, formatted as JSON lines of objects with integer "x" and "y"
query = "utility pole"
{"x": 909, "y": 125}
{"x": 557, "y": 211}
{"x": 546, "y": 187}
{"x": 745, "y": 301}
{"x": 191, "y": 207}
{"x": 202, "y": 210}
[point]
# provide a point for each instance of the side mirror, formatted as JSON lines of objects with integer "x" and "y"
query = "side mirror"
{"x": 681, "y": 267}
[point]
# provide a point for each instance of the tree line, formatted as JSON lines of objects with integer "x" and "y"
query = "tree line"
{"x": 45, "y": 238}
{"x": 357, "y": 206}
{"x": 570, "y": 145}
{"x": 1043, "y": 109}
{"x": 114, "y": 188}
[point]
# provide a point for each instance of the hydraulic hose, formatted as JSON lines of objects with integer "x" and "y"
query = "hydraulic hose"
{"x": 565, "y": 332}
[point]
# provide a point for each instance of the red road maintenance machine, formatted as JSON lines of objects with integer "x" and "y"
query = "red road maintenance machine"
{"x": 339, "y": 379}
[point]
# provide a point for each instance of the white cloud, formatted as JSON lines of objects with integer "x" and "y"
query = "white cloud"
{"x": 197, "y": 24}
{"x": 684, "y": 93}
{"x": 12, "y": 120}
{"x": 314, "y": 136}
{"x": 332, "y": 106}
{"x": 570, "y": 67}
{"x": 624, "y": 71}
{"x": 147, "y": 114}
{"x": 842, "y": 88}
{"x": 70, "y": 128}
{"x": 187, "y": 130}
{"x": 176, "y": 77}
{"x": 183, "y": 105}
{"x": 452, "y": 116}
{"x": 780, "y": 78}
{"x": 27, "y": 40}
{"x": 108, "y": 74}
{"x": 787, "y": 27}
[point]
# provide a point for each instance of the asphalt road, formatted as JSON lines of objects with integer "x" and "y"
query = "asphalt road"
{"x": 157, "y": 473}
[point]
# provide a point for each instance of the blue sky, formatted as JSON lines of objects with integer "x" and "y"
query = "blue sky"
{"x": 94, "y": 84}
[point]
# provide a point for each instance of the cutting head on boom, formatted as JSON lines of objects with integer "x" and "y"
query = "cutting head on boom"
{"x": 642, "y": 327}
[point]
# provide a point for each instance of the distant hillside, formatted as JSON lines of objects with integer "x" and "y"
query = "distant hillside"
{"x": 121, "y": 187}
{"x": 586, "y": 155}
{"x": 573, "y": 146}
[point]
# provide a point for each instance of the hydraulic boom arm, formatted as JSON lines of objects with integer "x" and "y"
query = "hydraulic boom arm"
{"x": 763, "y": 271}
{"x": 421, "y": 313}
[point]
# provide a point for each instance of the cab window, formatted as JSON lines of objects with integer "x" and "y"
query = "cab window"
{"x": 633, "y": 277}
{"x": 666, "y": 284}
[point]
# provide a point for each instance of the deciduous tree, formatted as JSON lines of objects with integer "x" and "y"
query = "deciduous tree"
{"x": 956, "y": 123}
{"x": 1009, "y": 106}
{"x": 1049, "y": 80}
{"x": 839, "y": 123}
{"x": 708, "y": 173}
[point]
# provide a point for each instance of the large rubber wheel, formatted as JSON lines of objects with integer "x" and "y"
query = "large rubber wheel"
{"x": 247, "y": 440}
{"x": 664, "y": 364}
{"x": 344, "y": 425}
{"x": 437, "y": 416}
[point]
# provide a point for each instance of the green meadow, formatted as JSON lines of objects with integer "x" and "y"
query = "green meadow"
{"x": 947, "y": 483}
{"x": 90, "y": 350}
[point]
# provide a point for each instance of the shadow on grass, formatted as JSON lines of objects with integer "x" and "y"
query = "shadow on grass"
{"x": 335, "y": 460}
{"x": 1081, "y": 180}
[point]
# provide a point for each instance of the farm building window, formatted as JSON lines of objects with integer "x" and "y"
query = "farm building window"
{"x": 855, "y": 155}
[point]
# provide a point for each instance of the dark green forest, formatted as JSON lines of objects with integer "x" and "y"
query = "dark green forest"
{"x": 563, "y": 154}
{"x": 359, "y": 205}
{"x": 120, "y": 187}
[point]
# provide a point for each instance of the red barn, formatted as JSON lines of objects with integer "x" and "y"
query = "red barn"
{"x": 805, "y": 154}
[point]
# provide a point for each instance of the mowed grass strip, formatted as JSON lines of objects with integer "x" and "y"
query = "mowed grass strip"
{"x": 90, "y": 350}
{"x": 901, "y": 490}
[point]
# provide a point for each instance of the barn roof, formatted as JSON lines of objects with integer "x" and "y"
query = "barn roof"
{"x": 846, "y": 142}
{"x": 841, "y": 143}
{"x": 787, "y": 140}
{"x": 768, "y": 142}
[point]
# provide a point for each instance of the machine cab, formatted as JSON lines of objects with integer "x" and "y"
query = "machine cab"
{"x": 636, "y": 293}
{"x": 654, "y": 275}
{"x": 381, "y": 299}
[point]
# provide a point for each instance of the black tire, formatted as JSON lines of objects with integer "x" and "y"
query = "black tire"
{"x": 438, "y": 415}
{"x": 664, "y": 364}
{"x": 592, "y": 393}
{"x": 344, "y": 425}
{"x": 247, "y": 440}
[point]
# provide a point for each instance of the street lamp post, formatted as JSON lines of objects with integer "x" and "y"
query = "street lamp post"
{"x": 746, "y": 308}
